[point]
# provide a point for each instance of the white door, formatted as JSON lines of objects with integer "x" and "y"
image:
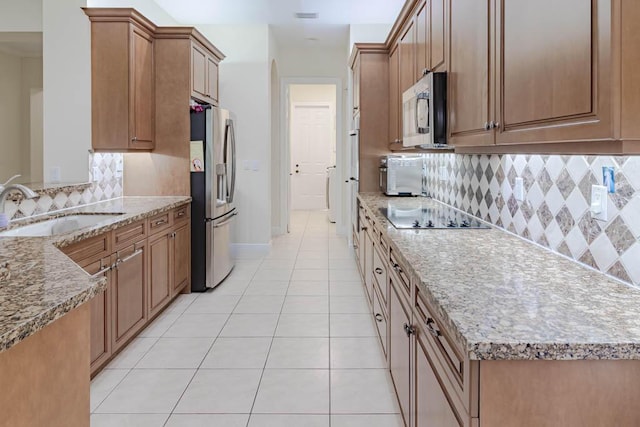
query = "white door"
{"x": 311, "y": 130}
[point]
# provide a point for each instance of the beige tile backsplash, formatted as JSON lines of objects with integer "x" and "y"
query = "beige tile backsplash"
{"x": 555, "y": 211}
{"x": 106, "y": 171}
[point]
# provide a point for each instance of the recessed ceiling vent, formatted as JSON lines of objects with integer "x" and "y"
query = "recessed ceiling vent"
{"x": 306, "y": 15}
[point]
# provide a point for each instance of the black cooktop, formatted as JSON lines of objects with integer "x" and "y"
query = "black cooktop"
{"x": 430, "y": 215}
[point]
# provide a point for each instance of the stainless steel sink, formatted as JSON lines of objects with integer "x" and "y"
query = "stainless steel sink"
{"x": 56, "y": 226}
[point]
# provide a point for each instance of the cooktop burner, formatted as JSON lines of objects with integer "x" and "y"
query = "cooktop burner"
{"x": 429, "y": 215}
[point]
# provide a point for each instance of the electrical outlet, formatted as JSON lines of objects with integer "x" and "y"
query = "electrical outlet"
{"x": 598, "y": 206}
{"x": 443, "y": 174}
{"x": 54, "y": 174}
{"x": 518, "y": 191}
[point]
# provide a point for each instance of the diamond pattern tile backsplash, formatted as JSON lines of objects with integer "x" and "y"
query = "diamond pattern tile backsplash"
{"x": 106, "y": 183}
{"x": 555, "y": 210}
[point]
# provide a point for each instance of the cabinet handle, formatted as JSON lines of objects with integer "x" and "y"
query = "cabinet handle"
{"x": 101, "y": 272}
{"x": 129, "y": 258}
{"x": 160, "y": 222}
{"x": 378, "y": 317}
{"x": 432, "y": 328}
{"x": 181, "y": 214}
{"x": 363, "y": 228}
{"x": 487, "y": 126}
{"x": 355, "y": 246}
{"x": 134, "y": 139}
{"x": 496, "y": 125}
{"x": 409, "y": 330}
{"x": 378, "y": 270}
{"x": 397, "y": 268}
{"x": 367, "y": 216}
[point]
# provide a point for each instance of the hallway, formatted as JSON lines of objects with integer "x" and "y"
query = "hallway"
{"x": 286, "y": 340}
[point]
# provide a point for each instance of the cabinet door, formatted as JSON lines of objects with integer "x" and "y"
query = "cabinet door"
{"x": 470, "y": 102}
{"x": 198, "y": 72}
{"x": 436, "y": 37}
{"x": 142, "y": 92}
{"x": 422, "y": 40}
{"x": 129, "y": 293}
{"x": 100, "y": 307}
{"x": 159, "y": 272}
{"x": 553, "y": 65}
{"x": 400, "y": 350}
{"x": 395, "y": 135}
{"x": 181, "y": 257}
{"x": 368, "y": 265}
{"x": 212, "y": 79}
{"x": 407, "y": 58}
{"x": 432, "y": 408}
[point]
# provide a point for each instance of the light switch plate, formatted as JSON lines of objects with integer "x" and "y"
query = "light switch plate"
{"x": 599, "y": 201}
{"x": 518, "y": 191}
{"x": 54, "y": 174}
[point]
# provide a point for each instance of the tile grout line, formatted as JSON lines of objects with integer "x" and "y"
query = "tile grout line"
{"x": 207, "y": 353}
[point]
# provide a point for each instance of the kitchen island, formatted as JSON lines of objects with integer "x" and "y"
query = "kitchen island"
{"x": 513, "y": 333}
{"x": 45, "y": 319}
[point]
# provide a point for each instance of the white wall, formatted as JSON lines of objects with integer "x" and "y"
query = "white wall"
{"x": 244, "y": 89}
{"x": 274, "y": 112}
{"x": 67, "y": 89}
{"x": 10, "y": 102}
{"x": 368, "y": 33}
{"x": 31, "y": 79}
{"x": 148, "y": 8}
{"x": 21, "y": 15}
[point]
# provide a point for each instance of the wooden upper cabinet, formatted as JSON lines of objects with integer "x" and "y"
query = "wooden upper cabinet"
{"x": 469, "y": 78}
{"x": 407, "y": 46}
{"x": 122, "y": 74}
{"x": 423, "y": 55}
{"x": 553, "y": 71}
{"x": 437, "y": 35}
{"x": 142, "y": 98}
{"x": 204, "y": 74}
{"x": 395, "y": 127}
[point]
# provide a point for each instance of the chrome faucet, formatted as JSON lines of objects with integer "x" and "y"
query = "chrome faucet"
{"x": 5, "y": 190}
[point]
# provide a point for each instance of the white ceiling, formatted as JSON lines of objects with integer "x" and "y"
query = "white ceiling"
{"x": 330, "y": 29}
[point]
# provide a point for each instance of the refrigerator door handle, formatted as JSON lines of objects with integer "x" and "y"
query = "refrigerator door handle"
{"x": 225, "y": 222}
{"x": 230, "y": 139}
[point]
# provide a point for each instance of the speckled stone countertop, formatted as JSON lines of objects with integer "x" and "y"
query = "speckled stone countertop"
{"x": 504, "y": 298}
{"x": 39, "y": 284}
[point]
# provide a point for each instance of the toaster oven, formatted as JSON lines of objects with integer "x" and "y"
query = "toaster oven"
{"x": 401, "y": 175}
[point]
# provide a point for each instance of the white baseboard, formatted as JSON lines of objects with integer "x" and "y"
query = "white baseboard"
{"x": 249, "y": 250}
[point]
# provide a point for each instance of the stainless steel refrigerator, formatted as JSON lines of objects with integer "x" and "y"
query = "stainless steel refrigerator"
{"x": 213, "y": 191}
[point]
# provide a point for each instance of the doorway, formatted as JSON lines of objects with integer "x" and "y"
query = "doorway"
{"x": 312, "y": 138}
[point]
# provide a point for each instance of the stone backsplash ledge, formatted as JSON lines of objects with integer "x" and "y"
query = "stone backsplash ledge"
{"x": 106, "y": 183}
{"x": 555, "y": 211}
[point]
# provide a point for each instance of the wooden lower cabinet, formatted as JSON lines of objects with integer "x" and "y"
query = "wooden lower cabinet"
{"x": 400, "y": 350}
{"x": 159, "y": 271}
{"x": 181, "y": 258}
{"x": 431, "y": 405}
{"x": 129, "y": 293}
{"x": 101, "y": 314}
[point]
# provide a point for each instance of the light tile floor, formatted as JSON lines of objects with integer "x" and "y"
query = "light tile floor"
{"x": 286, "y": 341}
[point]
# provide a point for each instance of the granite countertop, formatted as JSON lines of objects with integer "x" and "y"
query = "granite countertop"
{"x": 504, "y": 298}
{"x": 39, "y": 284}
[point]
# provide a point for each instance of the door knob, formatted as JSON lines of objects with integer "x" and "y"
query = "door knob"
{"x": 297, "y": 171}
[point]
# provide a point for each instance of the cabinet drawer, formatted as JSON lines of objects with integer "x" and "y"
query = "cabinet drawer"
{"x": 380, "y": 317}
{"x": 447, "y": 350}
{"x": 126, "y": 235}
{"x": 380, "y": 274}
{"x": 160, "y": 222}
{"x": 400, "y": 271}
{"x": 182, "y": 213}
{"x": 87, "y": 250}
